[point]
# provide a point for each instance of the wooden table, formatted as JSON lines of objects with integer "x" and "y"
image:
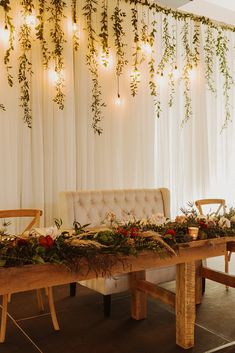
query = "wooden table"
{"x": 17, "y": 279}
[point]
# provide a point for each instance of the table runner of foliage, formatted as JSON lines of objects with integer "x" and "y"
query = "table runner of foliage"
{"x": 114, "y": 237}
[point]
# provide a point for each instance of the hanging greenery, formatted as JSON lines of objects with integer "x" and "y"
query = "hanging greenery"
{"x": 2, "y": 107}
{"x": 173, "y": 67}
{"x": 152, "y": 74}
{"x": 209, "y": 50}
{"x": 75, "y": 28}
{"x": 8, "y": 27}
{"x": 118, "y": 18}
{"x": 40, "y": 33}
{"x": 91, "y": 58}
{"x": 56, "y": 10}
{"x": 53, "y": 41}
{"x": 186, "y": 70}
{"x": 104, "y": 33}
{"x": 25, "y": 65}
{"x": 221, "y": 52}
{"x": 135, "y": 75}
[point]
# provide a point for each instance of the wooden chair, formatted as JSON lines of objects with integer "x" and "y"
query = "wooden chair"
{"x": 220, "y": 203}
{"x": 20, "y": 213}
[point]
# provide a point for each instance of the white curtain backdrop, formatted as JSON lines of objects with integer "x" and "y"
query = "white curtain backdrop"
{"x": 136, "y": 149}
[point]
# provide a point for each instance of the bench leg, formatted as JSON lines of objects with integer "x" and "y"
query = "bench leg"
{"x": 73, "y": 289}
{"x": 107, "y": 305}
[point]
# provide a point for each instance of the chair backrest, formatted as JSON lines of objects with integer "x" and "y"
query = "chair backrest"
{"x": 92, "y": 206}
{"x": 203, "y": 202}
{"x": 20, "y": 213}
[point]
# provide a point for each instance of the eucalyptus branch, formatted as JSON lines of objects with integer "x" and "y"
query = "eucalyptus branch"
{"x": 118, "y": 18}
{"x": 209, "y": 50}
{"x": 40, "y": 33}
{"x": 57, "y": 34}
{"x": 135, "y": 75}
{"x": 25, "y": 66}
{"x": 167, "y": 45}
{"x": 75, "y": 20}
{"x": 221, "y": 52}
{"x": 186, "y": 79}
{"x": 173, "y": 66}
{"x": 152, "y": 74}
{"x": 104, "y": 34}
{"x": 91, "y": 58}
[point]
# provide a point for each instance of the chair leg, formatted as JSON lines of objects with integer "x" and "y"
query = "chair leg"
{"x": 4, "y": 318}
{"x": 226, "y": 261}
{"x": 52, "y": 309}
{"x": 39, "y": 299}
{"x": 107, "y": 305}
{"x": 73, "y": 289}
{"x": 9, "y": 297}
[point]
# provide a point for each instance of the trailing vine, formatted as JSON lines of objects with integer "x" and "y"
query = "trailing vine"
{"x": 173, "y": 67}
{"x": 196, "y": 43}
{"x": 25, "y": 65}
{"x": 104, "y": 34}
{"x": 118, "y": 18}
{"x": 186, "y": 78}
{"x": 2, "y": 107}
{"x": 167, "y": 45}
{"x": 40, "y": 33}
{"x": 209, "y": 50}
{"x": 57, "y": 34}
{"x": 11, "y": 28}
{"x": 221, "y": 52}
{"x": 75, "y": 29}
{"x": 91, "y": 58}
{"x": 135, "y": 75}
{"x": 152, "y": 74}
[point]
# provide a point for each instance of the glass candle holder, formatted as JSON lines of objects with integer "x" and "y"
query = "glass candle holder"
{"x": 193, "y": 232}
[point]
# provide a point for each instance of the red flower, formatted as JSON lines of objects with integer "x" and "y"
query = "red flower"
{"x": 171, "y": 232}
{"x": 46, "y": 242}
{"x": 134, "y": 232}
{"x": 203, "y": 224}
{"x": 122, "y": 231}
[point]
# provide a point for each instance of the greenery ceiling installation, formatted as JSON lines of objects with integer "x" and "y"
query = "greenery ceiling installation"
{"x": 163, "y": 31}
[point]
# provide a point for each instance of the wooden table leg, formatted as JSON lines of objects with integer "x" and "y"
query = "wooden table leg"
{"x": 138, "y": 298}
{"x": 198, "y": 283}
{"x": 185, "y": 304}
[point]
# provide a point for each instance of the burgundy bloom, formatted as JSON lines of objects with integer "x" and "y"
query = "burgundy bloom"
{"x": 203, "y": 224}
{"x": 134, "y": 232}
{"x": 46, "y": 242}
{"x": 171, "y": 232}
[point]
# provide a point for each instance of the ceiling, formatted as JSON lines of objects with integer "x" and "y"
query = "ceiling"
{"x": 220, "y": 10}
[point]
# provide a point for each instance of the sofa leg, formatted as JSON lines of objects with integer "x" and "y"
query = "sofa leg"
{"x": 107, "y": 305}
{"x": 73, "y": 289}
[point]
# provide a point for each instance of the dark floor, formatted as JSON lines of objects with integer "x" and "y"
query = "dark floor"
{"x": 85, "y": 330}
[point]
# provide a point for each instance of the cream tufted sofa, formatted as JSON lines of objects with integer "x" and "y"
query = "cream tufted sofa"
{"x": 92, "y": 207}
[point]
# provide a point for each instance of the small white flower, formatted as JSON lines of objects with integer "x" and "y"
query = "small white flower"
{"x": 201, "y": 217}
{"x": 224, "y": 222}
{"x": 157, "y": 218}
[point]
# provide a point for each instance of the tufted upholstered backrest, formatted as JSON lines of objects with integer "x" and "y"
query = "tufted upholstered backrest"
{"x": 92, "y": 206}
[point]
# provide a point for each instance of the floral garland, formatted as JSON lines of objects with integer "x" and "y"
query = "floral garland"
{"x": 157, "y": 234}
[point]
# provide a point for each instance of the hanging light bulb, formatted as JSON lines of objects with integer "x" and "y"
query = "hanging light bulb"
{"x": 176, "y": 73}
{"x": 146, "y": 48}
{"x": 4, "y": 35}
{"x": 118, "y": 100}
{"x": 55, "y": 76}
{"x": 30, "y": 19}
{"x": 192, "y": 73}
